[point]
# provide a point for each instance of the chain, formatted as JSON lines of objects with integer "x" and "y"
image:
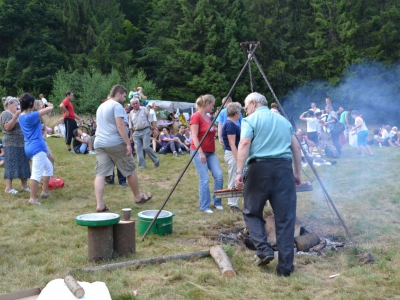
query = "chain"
{"x": 251, "y": 77}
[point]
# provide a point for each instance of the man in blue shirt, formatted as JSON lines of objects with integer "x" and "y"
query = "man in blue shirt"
{"x": 267, "y": 147}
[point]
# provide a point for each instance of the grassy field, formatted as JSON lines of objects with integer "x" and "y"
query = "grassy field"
{"x": 42, "y": 243}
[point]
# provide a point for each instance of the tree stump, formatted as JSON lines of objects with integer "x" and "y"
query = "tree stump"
{"x": 100, "y": 243}
{"x": 222, "y": 261}
{"x": 124, "y": 237}
{"x": 306, "y": 241}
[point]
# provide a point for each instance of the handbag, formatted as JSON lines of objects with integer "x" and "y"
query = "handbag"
{"x": 338, "y": 128}
{"x": 56, "y": 183}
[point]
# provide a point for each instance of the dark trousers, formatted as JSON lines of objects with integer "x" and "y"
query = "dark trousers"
{"x": 336, "y": 143}
{"x": 271, "y": 180}
{"x": 121, "y": 178}
{"x": 70, "y": 126}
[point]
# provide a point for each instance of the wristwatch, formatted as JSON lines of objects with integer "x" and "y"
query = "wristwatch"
{"x": 240, "y": 172}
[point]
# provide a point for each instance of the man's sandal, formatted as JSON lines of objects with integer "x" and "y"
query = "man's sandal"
{"x": 144, "y": 198}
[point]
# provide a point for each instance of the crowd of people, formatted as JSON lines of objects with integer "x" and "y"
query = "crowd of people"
{"x": 338, "y": 127}
{"x": 262, "y": 152}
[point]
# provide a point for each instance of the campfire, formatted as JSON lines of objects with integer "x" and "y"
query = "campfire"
{"x": 307, "y": 242}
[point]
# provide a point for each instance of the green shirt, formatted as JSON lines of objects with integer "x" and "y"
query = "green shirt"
{"x": 271, "y": 134}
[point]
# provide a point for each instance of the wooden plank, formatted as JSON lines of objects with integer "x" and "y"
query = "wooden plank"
{"x": 30, "y": 294}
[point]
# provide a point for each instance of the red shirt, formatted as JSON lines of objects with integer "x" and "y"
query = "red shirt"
{"x": 68, "y": 105}
{"x": 209, "y": 142}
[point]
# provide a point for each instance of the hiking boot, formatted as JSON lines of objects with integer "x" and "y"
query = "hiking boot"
{"x": 265, "y": 260}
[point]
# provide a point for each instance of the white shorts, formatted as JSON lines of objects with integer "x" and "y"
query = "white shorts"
{"x": 41, "y": 166}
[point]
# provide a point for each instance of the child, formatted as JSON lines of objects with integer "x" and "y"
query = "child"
{"x": 82, "y": 141}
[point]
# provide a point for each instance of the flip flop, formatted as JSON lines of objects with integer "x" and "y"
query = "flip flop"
{"x": 12, "y": 191}
{"x": 143, "y": 198}
{"x": 34, "y": 201}
{"x": 44, "y": 195}
{"x": 103, "y": 210}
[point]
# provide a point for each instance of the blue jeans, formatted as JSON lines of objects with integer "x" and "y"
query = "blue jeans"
{"x": 204, "y": 178}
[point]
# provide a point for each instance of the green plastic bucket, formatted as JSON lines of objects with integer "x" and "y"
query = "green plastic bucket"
{"x": 162, "y": 226}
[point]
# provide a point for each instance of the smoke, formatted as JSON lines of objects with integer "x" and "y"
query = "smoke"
{"x": 371, "y": 88}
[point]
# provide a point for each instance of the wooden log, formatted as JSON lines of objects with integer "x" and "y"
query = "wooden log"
{"x": 149, "y": 261}
{"x": 306, "y": 241}
{"x": 124, "y": 237}
{"x": 74, "y": 286}
{"x": 100, "y": 243}
{"x": 222, "y": 261}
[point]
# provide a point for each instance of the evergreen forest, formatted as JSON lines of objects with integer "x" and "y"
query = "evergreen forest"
{"x": 348, "y": 50}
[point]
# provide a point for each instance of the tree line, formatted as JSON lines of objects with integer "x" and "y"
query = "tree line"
{"x": 187, "y": 47}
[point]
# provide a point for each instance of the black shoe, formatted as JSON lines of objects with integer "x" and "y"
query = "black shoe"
{"x": 265, "y": 260}
{"x": 109, "y": 182}
{"x": 123, "y": 184}
{"x": 286, "y": 274}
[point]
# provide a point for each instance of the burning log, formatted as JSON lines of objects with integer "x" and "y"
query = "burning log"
{"x": 306, "y": 241}
{"x": 223, "y": 261}
{"x": 246, "y": 239}
{"x": 320, "y": 246}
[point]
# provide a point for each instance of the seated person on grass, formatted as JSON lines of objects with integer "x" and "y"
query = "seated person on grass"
{"x": 82, "y": 142}
{"x": 169, "y": 144}
{"x": 377, "y": 140}
{"x": 155, "y": 139}
{"x": 184, "y": 144}
{"x": 305, "y": 144}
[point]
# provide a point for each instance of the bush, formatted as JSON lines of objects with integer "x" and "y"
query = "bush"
{"x": 92, "y": 86}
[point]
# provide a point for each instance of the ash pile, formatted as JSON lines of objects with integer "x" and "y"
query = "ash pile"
{"x": 305, "y": 242}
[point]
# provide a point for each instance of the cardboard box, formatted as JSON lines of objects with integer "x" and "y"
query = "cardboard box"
{"x": 31, "y": 294}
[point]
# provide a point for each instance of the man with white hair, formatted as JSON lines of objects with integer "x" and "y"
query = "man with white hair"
{"x": 140, "y": 123}
{"x": 267, "y": 147}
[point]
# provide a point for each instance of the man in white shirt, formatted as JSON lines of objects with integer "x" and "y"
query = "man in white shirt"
{"x": 114, "y": 148}
{"x": 152, "y": 113}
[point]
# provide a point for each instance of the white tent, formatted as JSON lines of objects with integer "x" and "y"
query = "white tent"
{"x": 172, "y": 105}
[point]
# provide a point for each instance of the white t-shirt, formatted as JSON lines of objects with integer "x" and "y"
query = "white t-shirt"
{"x": 363, "y": 126}
{"x": 44, "y": 101}
{"x": 107, "y": 134}
{"x": 385, "y": 134}
{"x": 61, "y": 129}
{"x": 153, "y": 115}
{"x": 312, "y": 124}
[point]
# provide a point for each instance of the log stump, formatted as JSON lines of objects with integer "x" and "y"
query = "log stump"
{"x": 223, "y": 261}
{"x": 100, "y": 243}
{"x": 74, "y": 286}
{"x": 306, "y": 241}
{"x": 124, "y": 237}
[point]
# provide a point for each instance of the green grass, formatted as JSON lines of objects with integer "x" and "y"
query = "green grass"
{"x": 39, "y": 244}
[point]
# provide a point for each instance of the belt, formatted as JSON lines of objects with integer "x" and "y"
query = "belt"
{"x": 142, "y": 129}
{"x": 264, "y": 159}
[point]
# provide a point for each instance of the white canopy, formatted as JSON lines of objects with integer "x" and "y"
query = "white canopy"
{"x": 172, "y": 105}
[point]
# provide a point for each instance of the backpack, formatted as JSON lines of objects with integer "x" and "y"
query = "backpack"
{"x": 330, "y": 151}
